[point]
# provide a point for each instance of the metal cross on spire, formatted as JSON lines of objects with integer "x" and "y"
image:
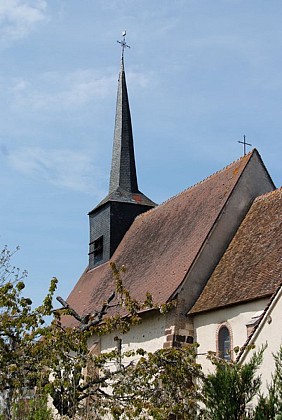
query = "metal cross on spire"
{"x": 245, "y": 144}
{"x": 123, "y": 44}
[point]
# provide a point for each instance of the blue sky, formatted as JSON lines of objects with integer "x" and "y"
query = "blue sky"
{"x": 200, "y": 75}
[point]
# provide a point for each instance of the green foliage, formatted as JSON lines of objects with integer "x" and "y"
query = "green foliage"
{"x": 228, "y": 391}
{"x": 32, "y": 408}
{"x": 22, "y": 363}
{"x": 52, "y": 358}
{"x": 270, "y": 406}
{"x": 37, "y": 359}
{"x": 160, "y": 384}
{"x": 69, "y": 358}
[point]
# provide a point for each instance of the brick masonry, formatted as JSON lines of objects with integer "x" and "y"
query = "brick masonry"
{"x": 177, "y": 337}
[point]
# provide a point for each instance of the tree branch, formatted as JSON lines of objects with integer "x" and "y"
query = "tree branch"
{"x": 89, "y": 320}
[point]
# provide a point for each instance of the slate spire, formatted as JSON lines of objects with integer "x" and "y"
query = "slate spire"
{"x": 123, "y": 169}
{"x": 113, "y": 216}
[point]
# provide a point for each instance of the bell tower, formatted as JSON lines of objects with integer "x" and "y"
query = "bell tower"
{"x": 112, "y": 217}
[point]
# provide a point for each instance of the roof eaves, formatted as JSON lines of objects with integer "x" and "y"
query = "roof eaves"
{"x": 228, "y": 305}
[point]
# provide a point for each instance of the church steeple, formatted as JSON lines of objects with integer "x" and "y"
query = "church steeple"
{"x": 123, "y": 170}
{"x": 113, "y": 216}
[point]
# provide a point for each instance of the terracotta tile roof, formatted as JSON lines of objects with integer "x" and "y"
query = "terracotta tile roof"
{"x": 251, "y": 268}
{"x": 161, "y": 244}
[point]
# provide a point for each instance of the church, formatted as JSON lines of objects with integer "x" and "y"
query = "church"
{"x": 215, "y": 248}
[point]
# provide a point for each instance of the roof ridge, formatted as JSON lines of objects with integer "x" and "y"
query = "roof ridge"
{"x": 269, "y": 194}
{"x": 248, "y": 155}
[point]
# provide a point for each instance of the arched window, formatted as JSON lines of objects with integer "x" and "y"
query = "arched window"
{"x": 224, "y": 345}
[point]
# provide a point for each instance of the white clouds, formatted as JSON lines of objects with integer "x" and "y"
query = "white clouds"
{"x": 66, "y": 91}
{"x": 54, "y": 89}
{"x": 18, "y": 18}
{"x": 64, "y": 168}
{"x": 139, "y": 79}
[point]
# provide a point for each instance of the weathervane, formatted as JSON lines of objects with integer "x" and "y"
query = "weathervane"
{"x": 123, "y": 44}
{"x": 245, "y": 144}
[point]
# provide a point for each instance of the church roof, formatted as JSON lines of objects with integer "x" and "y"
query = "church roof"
{"x": 251, "y": 268}
{"x": 161, "y": 245}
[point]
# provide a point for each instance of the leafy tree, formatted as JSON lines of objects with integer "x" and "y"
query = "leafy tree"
{"x": 34, "y": 408}
{"x": 269, "y": 407}
{"x": 22, "y": 362}
{"x": 72, "y": 387}
{"x": 51, "y": 358}
{"x": 161, "y": 385}
{"x": 37, "y": 359}
{"x": 228, "y": 391}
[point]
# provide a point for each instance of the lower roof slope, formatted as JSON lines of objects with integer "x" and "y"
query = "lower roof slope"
{"x": 251, "y": 268}
{"x": 161, "y": 244}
